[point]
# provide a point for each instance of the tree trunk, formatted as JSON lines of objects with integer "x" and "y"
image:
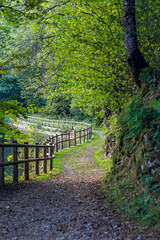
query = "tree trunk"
{"x": 134, "y": 57}
{"x": 106, "y": 114}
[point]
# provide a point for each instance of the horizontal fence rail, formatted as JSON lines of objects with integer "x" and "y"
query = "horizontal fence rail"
{"x": 21, "y": 153}
{"x": 46, "y": 122}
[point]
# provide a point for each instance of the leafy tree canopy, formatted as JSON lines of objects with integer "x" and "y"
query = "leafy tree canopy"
{"x": 75, "y": 50}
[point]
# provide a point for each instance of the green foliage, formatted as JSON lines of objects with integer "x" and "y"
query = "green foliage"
{"x": 65, "y": 129}
{"x": 136, "y": 136}
{"x": 9, "y": 89}
{"x": 155, "y": 104}
{"x": 111, "y": 131}
{"x": 96, "y": 82}
{"x": 133, "y": 183}
{"x": 58, "y": 106}
{"x": 105, "y": 163}
{"x": 42, "y": 63}
{"x": 148, "y": 28}
{"x": 12, "y": 109}
{"x": 133, "y": 120}
{"x": 75, "y": 50}
{"x": 70, "y": 54}
{"x": 126, "y": 198}
{"x": 17, "y": 10}
{"x": 34, "y": 136}
{"x": 11, "y": 13}
{"x": 139, "y": 114}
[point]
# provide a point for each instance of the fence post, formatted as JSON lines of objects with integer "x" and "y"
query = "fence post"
{"x": 87, "y": 134}
{"x": 44, "y": 154}
{"x": 69, "y": 143}
{"x": 1, "y": 168}
{"x": 51, "y": 160}
{"x": 74, "y": 138}
{"x": 56, "y": 143}
{"x": 84, "y": 135}
{"x": 52, "y": 140}
{"x": 36, "y": 155}
{"x": 90, "y": 131}
{"x": 61, "y": 140}
{"x": 26, "y": 165}
{"x": 53, "y": 143}
{"x": 15, "y": 167}
{"x": 80, "y": 136}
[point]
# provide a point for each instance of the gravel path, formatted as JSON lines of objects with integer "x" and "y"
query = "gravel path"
{"x": 67, "y": 207}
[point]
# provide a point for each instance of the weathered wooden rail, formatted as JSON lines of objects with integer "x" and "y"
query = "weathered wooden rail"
{"x": 47, "y": 151}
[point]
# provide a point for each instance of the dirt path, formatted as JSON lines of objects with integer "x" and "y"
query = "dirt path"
{"x": 67, "y": 207}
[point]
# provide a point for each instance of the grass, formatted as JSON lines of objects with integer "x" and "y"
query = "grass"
{"x": 80, "y": 165}
{"x": 100, "y": 159}
{"x": 59, "y": 158}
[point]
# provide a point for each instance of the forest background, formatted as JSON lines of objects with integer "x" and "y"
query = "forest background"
{"x": 89, "y": 59}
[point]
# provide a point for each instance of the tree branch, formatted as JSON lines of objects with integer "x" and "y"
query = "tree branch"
{"x": 134, "y": 57}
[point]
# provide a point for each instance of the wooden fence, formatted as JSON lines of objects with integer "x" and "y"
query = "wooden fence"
{"x": 46, "y": 122}
{"x": 47, "y": 151}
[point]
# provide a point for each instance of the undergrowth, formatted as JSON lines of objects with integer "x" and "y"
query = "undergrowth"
{"x": 130, "y": 201}
{"x": 125, "y": 197}
{"x": 133, "y": 143}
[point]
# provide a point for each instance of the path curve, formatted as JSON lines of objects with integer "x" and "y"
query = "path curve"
{"x": 67, "y": 207}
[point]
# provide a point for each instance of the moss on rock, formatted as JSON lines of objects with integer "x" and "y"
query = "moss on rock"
{"x": 135, "y": 141}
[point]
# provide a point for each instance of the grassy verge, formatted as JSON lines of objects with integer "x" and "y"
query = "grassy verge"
{"x": 100, "y": 159}
{"x": 128, "y": 200}
{"x": 59, "y": 159}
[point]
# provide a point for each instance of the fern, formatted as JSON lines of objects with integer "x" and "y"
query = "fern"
{"x": 155, "y": 104}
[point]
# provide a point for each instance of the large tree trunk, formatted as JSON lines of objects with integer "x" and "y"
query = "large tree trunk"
{"x": 134, "y": 57}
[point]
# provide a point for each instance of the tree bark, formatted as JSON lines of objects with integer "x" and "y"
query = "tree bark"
{"x": 106, "y": 114}
{"x": 134, "y": 57}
